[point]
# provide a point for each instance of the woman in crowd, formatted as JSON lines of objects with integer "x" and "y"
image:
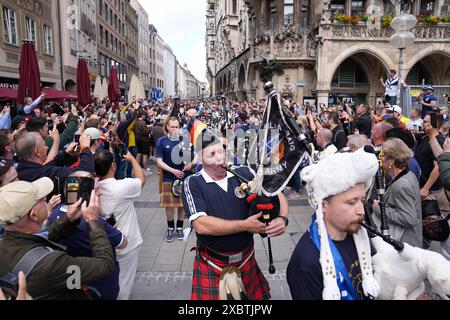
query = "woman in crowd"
{"x": 403, "y": 207}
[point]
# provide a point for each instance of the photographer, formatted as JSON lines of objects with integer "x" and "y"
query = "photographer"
{"x": 32, "y": 153}
{"x": 117, "y": 198}
{"x": 78, "y": 246}
{"x": 23, "y": 211}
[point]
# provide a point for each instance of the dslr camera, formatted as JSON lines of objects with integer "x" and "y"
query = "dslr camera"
{"x": 78, "y": 187}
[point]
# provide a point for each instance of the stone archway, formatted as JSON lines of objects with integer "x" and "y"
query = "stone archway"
{"x": 432, "y": 67}
{"x": 363, "y": 86}
{"x": 358, "y": 79}
{"x": 242, "y": 84}
{"x": 70, "y": 86}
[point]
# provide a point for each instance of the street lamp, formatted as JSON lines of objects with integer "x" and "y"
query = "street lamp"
{"x": 400, "y": 40}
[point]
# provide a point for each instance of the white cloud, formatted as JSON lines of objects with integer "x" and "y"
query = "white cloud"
{"x": 181, "y": 24}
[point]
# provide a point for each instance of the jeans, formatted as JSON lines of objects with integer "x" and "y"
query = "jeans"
{"x": 297, "y": 180}
{"x": 121, "y": 165}
{"x": 133, "y": 151}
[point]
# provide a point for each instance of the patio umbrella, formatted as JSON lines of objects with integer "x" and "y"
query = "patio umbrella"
{"x": 113, "y": 87}
{"x": 83, "y": 83}
{"x": 104, "y": 88}
{"x": 55, "y": 94}
{"x": 98, "y": 88}
{"x": 133, "y": 92}
{"x": 29, "y": 75}
{"x": 141, "y": 91}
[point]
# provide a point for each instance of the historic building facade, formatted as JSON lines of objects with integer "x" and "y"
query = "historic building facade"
{"x": 319, "y": 50}
{"x": 35, "y": 21}
{"x": 144, "y": 49}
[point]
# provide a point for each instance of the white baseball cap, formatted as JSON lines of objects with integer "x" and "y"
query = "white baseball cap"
{"x": 19, "y": 197}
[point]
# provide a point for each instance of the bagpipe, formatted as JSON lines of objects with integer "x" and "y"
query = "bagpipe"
{"x": 280, "y": 152}
{"x": 269, "y": 206}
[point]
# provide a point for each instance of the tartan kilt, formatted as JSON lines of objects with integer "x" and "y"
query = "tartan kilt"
{"x": 168, "y": 200}
{"x": 205, "y": 279}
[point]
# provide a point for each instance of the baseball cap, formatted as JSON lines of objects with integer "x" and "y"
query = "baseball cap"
{"x": 93, "y": 133}
{"x": 397, "y": 109}
{"x": 19, "y": 197}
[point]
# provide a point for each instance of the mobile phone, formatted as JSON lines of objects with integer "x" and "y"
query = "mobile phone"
{"x": 77, "y": 138}
{"x": 433, "y": 120}
{"x": 9, "y": 283}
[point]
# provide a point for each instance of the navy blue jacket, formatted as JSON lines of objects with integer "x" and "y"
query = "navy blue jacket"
{"x": 32, "y": 171}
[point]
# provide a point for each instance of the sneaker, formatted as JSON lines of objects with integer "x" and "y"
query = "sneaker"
{"x": 169, "y": 235}
{"x": 293, "y": 194}
{"x": 180, "y": 235}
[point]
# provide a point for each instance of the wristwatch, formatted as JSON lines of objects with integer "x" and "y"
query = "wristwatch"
{"x": 286, "y": 220}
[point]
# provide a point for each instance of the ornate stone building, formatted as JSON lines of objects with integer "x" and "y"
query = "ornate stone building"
{"x": 318, "y": 50}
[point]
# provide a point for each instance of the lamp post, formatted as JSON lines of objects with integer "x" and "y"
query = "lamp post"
{"x": 401, "y": 39}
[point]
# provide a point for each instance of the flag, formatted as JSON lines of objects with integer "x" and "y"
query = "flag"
{"x": 279, "y": 149}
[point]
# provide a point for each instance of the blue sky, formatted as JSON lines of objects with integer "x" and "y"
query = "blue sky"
{"x": 181, "y": 24}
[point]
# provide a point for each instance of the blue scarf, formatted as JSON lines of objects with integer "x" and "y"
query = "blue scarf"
{"x": 343, "y": 280}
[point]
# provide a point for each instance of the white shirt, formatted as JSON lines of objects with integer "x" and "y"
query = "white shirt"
{"x": 117, "y": 199}
{"x": 412, "y": 123}
{"x": 392, "y": 86}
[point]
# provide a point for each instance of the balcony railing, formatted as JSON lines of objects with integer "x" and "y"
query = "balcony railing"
{"x": 363, "y": 33}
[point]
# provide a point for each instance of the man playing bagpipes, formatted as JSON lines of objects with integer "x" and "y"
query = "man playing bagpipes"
{"x": 225, "y": 266}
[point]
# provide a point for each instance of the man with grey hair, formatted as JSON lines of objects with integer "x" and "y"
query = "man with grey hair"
{"x": 357, "y": 141}
{"x": 32, "y": 153}
{"x": 324, "y": 140}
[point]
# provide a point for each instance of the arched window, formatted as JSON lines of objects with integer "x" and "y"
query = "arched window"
{"x": 350, "y": 75}
{"x": 288, "y": 12}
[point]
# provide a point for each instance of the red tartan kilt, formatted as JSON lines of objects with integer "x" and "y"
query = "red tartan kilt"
{"x": 168, "y": 200}
{"x": 205, "y": 279}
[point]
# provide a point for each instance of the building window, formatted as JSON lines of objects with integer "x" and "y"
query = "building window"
{"x": 357, "y": 7}
{"x": 101, "y": 34}
{"x": 30, "y": 25}
{"x": 100, "y": 7}
{"x": 337, "y": 6}
{"x": 288, "y": 12}
{"x": 106, "y": 38}
{"x": 9, "y": 25}
{"x": 48, "y": 42}
{"x": 426, "y": 7}
{"x": 304, "y": 13}
{"x": 234, "y": 6}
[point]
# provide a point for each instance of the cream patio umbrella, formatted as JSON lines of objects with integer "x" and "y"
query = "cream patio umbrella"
{"x": 133, "y": 91}
{"x": 98, "y": 90}
{"x": 104, "y": 88}
{"x": 141, "y": 91}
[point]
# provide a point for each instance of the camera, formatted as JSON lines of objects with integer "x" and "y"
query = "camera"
{"x": 76, "y": 188}
{"x": 122, "y": 150}
{"x": 9, "y": 283}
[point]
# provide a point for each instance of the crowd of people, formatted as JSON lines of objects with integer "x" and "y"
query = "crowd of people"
{"x": 51, "y": 153}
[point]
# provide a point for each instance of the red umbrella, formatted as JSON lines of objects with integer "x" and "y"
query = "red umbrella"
{"x": 113, "y": 86}
{"x": 29, "y": 75}
{"x": 83, "y": 83}
{"x": 54, "y": 94}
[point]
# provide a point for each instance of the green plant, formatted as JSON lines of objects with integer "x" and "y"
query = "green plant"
{"x": 431, "y": 20}
{"x": 339, "y": 17}
{"x": 363, "y": 17}
{"x": 386, "y": 21}
{"x": 446, "y": 18}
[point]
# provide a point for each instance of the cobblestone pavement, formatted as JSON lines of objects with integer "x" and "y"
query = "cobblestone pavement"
{"x": 165, "y": 269}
